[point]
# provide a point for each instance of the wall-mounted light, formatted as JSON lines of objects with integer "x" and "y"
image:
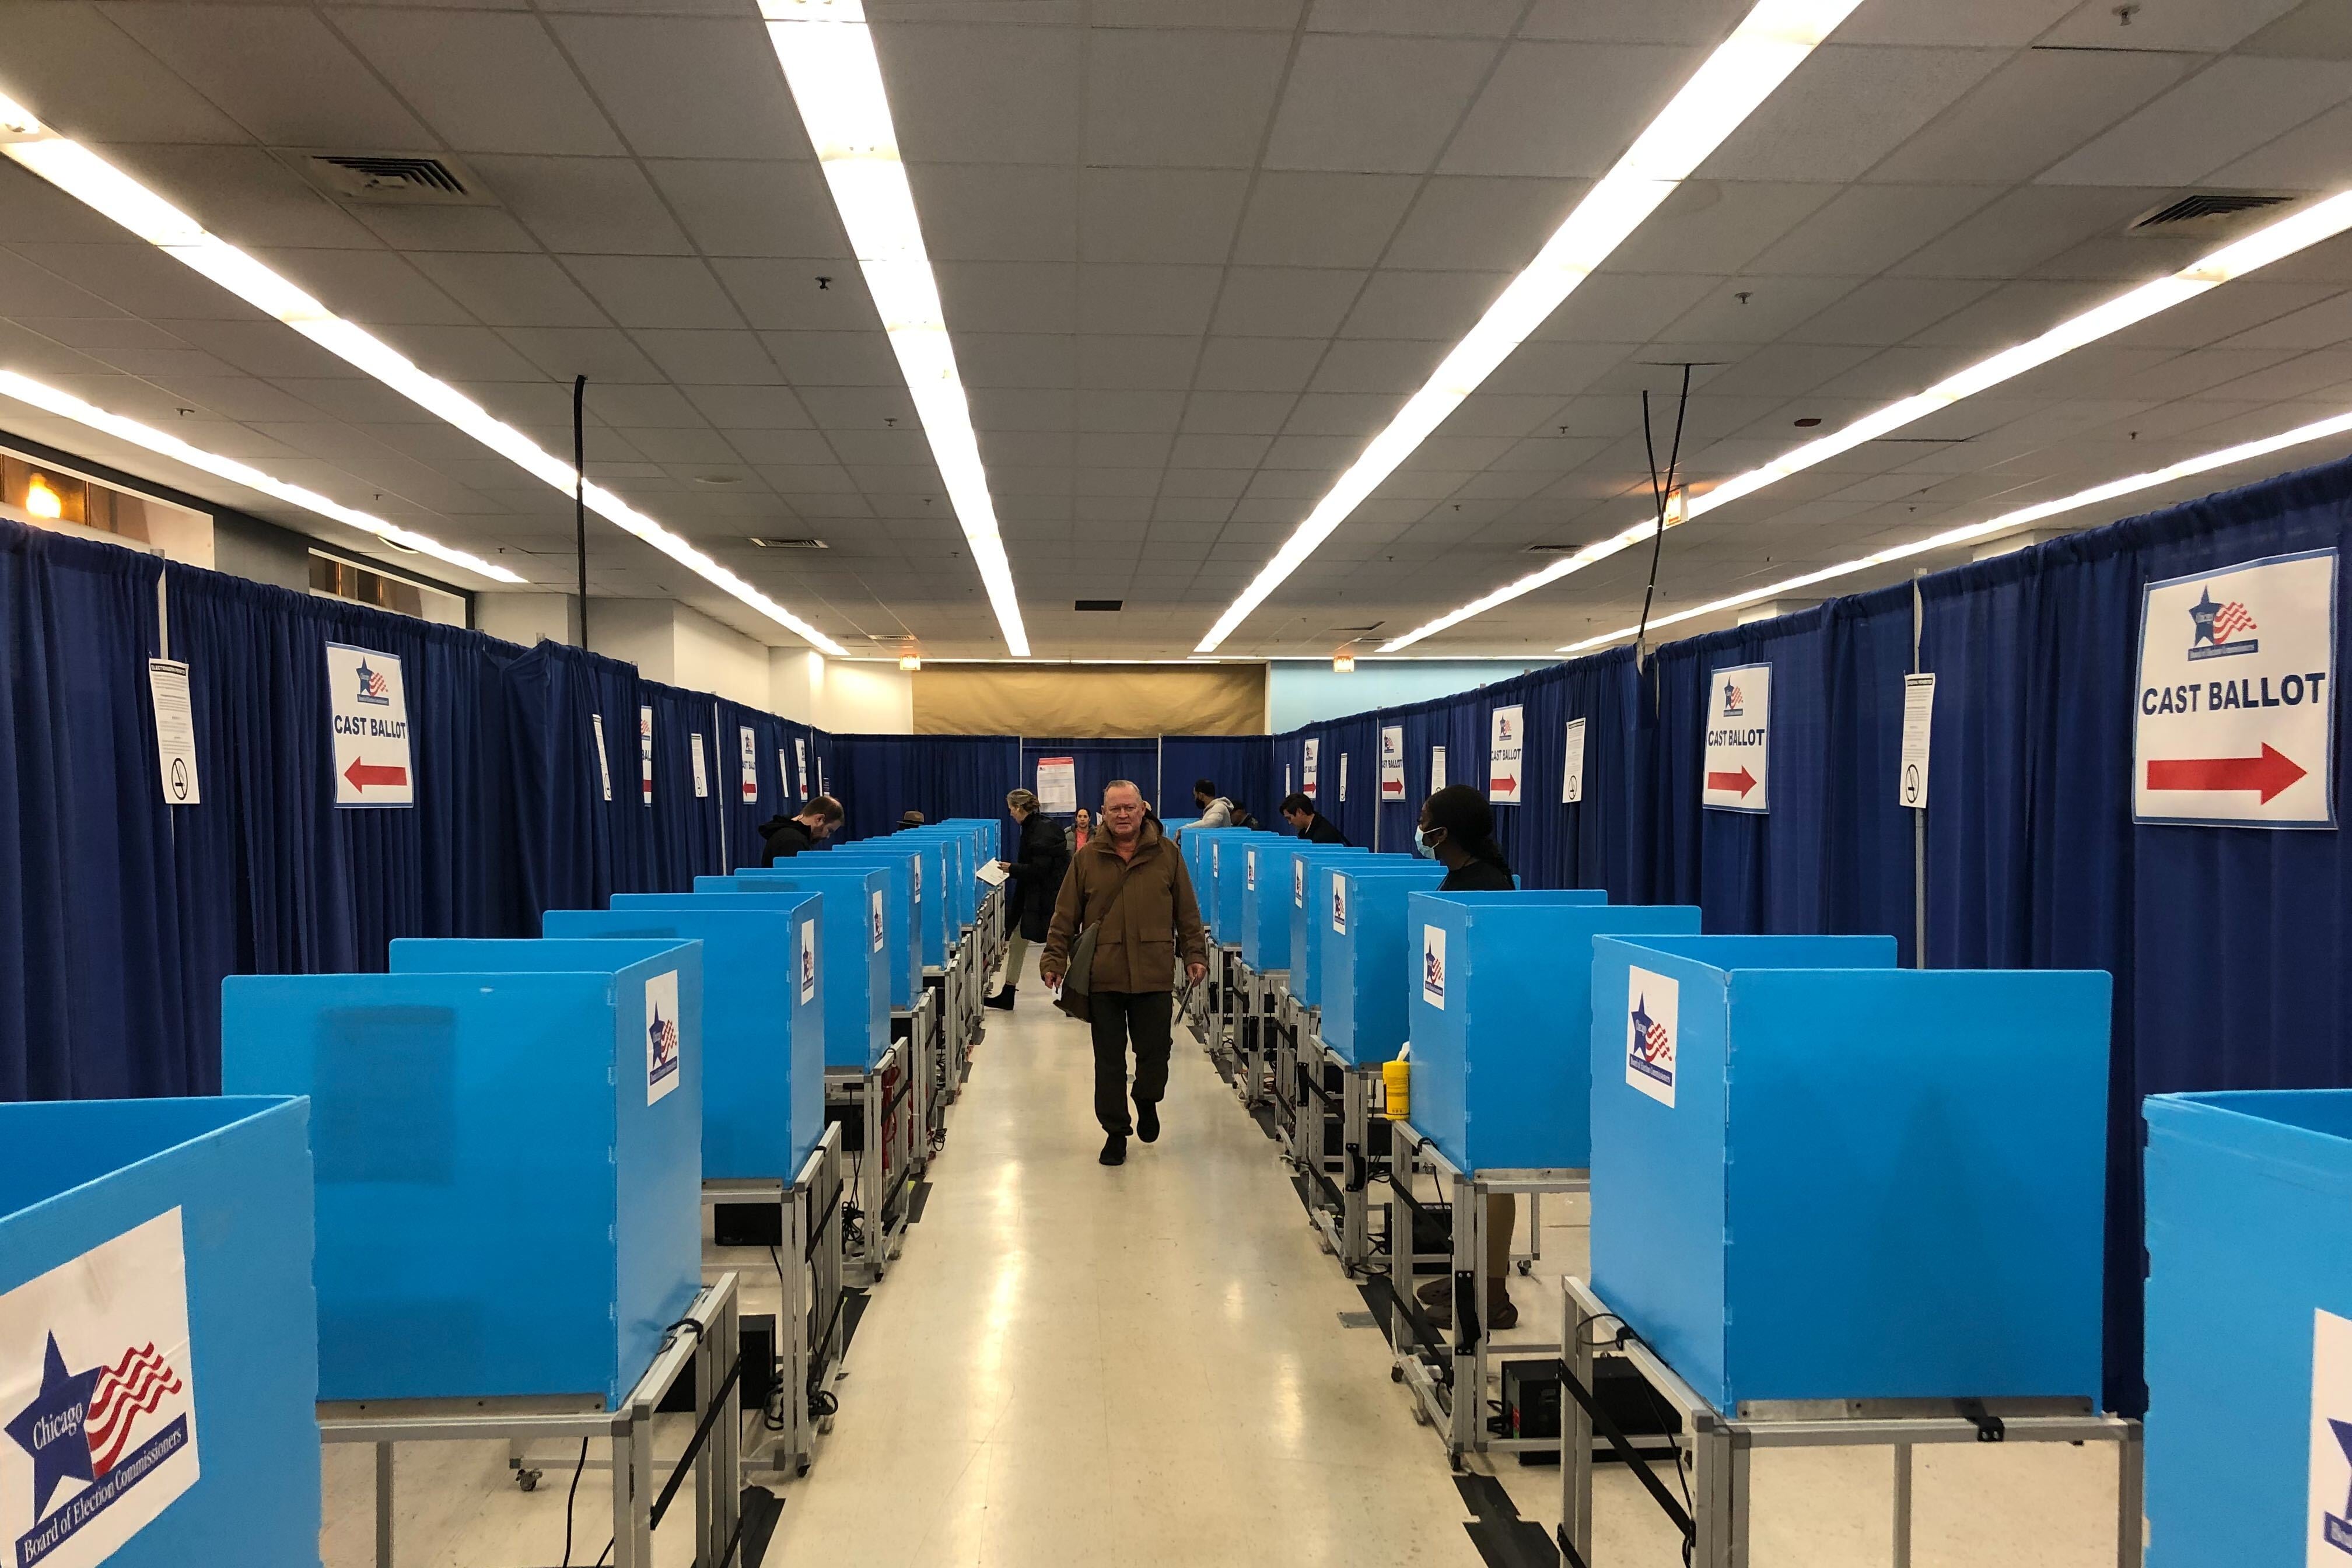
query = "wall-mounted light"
{"x": 1345, "y": 664}
{"x": 41, "y": 501}
{"x": 910, "y": 662}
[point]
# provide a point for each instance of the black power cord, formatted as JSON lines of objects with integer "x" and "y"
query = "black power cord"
{"x": 1659, "y": 495}
{"x": 571, "y": 1497}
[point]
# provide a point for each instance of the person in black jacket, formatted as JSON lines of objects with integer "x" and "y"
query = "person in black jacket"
{"x": 786, "y": 836}
{"x": 1299, "y": 811}
{"x": 1041, "y": 858}
{"x": 1457, "y": 831}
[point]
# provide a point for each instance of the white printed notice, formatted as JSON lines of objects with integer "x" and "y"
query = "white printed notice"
{"x": 1343, "y": 778}
{"x": 2233, "y": 724}
{"x": 1571, "y": 764}
{"x": 1436, "y": 769}
{"x": 748, "y": 751}
{"x": 1738, "y": 740}
{"x": 800, "y": 753}
{"x": 1391, "y": 762}
{"x": 604, "y": 764}
{"x": 1505, "y": 743}
{"x": 1306, "y": 787}
{"x": 1652, "y": 1033}
{"x": 99, "y": 1400}
{"x": 175, "y": 731}
{"x": 1432, "y": 966}
{"x": 369, "y": 706}
{"x": 1057, "y": 786}
{"x": 1918, "y": 728}
{"x": 646, "y": 754}
{"x": 662, "y": 1036}
{"x": 701, "y": 776}
{"x": 2326, "y": 1510}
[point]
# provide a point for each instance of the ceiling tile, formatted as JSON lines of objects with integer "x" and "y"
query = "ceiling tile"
{"x": 1563, "y": 109}
{"x": 2223, "y": 112}
{"x": 2034, "y": 109}
{"x": 655, "y": 290}
{"x": 1377, "y": 105}
{"x": 1299, "y": 219}
{"x": 1259, "y": 364}
{"x": 830, "y": 359}
{"x": 279, "y": 71}
{"x": 750, "y": 407}
{"x": 964, "y": 94}
{"x": 1443, "y": 305}
{"x": 2191, "y": 24}
{"x": 1106, "y": 360}
{"x": 983, "y": 212}
{"x": 1166, "y": 300}
{"x": 1195, "y": 99}
{"x": 744, "y": 209}
{"x": 485, "y": 83}
{"x": 1480, "y": 224}
{"x": 50, "y": 44}
{"x": 800, "y": 293}
{"x": 509, "y": 291}
{"x": 1285, "y": 301}
{"x": 600, "y": 353}
{"x": 1158, "y": 215}
{"x": 1016, "y": 359}
{"x": 1011, "y": 296}
{"x": 588, "y": 205}
{"x": 681, "y": 88}
{"x": 1843, "y": 109}
{"x": 712, "y": 358}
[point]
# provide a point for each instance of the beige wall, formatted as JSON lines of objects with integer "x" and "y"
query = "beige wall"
{"x": 1089, "y": 700}
{"x": 678, "y": 645}
{"x": 526, "y": 617}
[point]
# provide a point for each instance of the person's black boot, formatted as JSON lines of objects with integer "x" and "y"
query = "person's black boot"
{"x": 1115, "y": 1149}
{"x": 1002, "y": 1000}
{"x": 1147, "y": 1121}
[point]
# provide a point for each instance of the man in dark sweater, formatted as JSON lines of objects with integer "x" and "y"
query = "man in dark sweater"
{"x": 786, "y": 837}
{"x": 1310, "y": 824}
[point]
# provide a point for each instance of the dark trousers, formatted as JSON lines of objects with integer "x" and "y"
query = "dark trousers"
{"x": 1145, "y": 1017}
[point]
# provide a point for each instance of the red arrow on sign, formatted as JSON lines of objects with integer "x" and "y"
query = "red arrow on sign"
{"x": 2270, "y": 773}
{"x": 1504, "y": 786}
{"x": 1738, "y": 784}
{"x": 363, "y": 774}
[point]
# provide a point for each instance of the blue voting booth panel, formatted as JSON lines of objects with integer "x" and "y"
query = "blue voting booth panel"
{"x": 182, "y": 1224}
{"x": 2248, "y": 1327}
{"x": 987, "y": 835}
{"x": 1310, "y": 913}
{"x": 1802, "y": 1227}
{"x": 1229, "y": 886}
{"x": 762, "y": 1039}
{"x": 1206, "y": 850}
{"x": 1501, "y": 1003}
{"x": 958, "y": 866}
{"x": 895, "y": 915}
{"x": 1364, "y": 974}
{"x": 852, "y": 973}
{"x": 1266, "y": 862}
{"x": 510, "y": 1159}
{"x": 934, "y": 914}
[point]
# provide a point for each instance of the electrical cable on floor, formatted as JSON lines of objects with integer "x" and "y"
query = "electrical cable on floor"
{"x": 1659, "y": 496}
{"x": 571, "y": 1497}
{"x": 1666, "y": 1418}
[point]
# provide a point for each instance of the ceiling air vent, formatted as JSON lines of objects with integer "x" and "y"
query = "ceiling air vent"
{"x": 1553, "y": 549}
{"x": 772, "y": 543}
{"x": 1105, "y": 605}
{"x": 2202, "y": 208}
{"x": 1376, "y": 626}
{"x": 392, "y": 179}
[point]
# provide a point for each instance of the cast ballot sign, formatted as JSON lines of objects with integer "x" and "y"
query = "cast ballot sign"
{"x": 1391, "y": 762}
{"x": 1306, "y": 787}
{"x": 1505, "y": 742}
{"x": 368, "y": 705}
{"x": 2235, "y": 722}
{"x": 98, "y": 1401}
{"x": 1738, "y": 740}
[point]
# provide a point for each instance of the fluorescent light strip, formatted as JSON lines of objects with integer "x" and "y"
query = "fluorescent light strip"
{"x": 2322, "y": 220}
{"x": 827, "y": 52}
{"x": 49, "y": 400}
{"x": 2007, "y": 522}
{"x": 89, "y": 179}
{"x": 1772, "y": 41}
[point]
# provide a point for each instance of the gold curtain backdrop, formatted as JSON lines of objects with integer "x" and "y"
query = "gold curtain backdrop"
{"x": 1090, "y": 701}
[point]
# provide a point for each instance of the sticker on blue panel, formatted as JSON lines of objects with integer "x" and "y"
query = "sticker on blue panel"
{"x": 1652, "y": 1034}
{"x": 1249, "y": 871}
{"x": 1298, "y": 883}
{"x": 98, "y": 1400}
{"x": 1737, "y": 772}
{"x": 878, "y": 926}
{"x": 661, "y": 1036}
{"x": 808, "y": 960}
{"x": 1339, "y": 905}
{"x": 2234, "y": 722}
{"x": 1432, "y": 966}
{"x": 2330, "y": 1542}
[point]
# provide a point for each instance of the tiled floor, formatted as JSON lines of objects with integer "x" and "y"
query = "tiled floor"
{"x": 1073, "y": 1365}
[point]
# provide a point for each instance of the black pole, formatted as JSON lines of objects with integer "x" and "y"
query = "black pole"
{"x": 580, "y": 496}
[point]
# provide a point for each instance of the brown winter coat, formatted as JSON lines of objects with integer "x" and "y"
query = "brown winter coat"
{"x": 1136, "y": 949}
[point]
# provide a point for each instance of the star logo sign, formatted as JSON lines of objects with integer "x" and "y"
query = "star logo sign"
{"x": 2202, "y": 611}
{"x": 50, "y": 1428}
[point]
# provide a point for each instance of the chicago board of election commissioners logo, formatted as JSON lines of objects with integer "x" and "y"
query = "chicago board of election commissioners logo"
{"x": 2335, "y": 1529}
{"x": 661, "y": 1043}
{"x": 102, "y": 1426}
{"x": 1653, "y": 1051}
{"x": 1735, "y": 701}
{"x": 2220, "y": 628}
{"x": 1654, "y": 1040}
{"x": 373, "y": 688}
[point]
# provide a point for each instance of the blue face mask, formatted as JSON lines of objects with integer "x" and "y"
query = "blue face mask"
{"x": 1423, "y": 845}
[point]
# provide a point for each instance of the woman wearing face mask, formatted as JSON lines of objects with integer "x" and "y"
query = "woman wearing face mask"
{"x": 1457, "y": 831}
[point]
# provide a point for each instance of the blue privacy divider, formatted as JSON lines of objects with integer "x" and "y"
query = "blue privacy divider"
{"x": 1267, "y": 864}
{"x": 987, "y": 835}
{"x": 934, "y": 911}
{"x": 1205, "y": 863}
{"x": 854, "y": 972}
{"x": 1501, "y": 1003}
{"x": 1310, "y": 911}
{"x": 959, "y": 865}
{"x": 183, "y": 1226}
{"x": 1363, "y": 972}
{"x": 510, "y": 1160}
{"x": 2249, "y": 1327}
{"x": 1899, "y": 1194}
{"x": 1229, "y": 888}
{"x": 763, "y": 1036}
{"x": 897, "y": 915}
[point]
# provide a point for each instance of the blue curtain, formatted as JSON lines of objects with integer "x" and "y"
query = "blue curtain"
{"x": 1239, "y": 764}
{"x": 881, "y": 776}
{"x": 688, "y": 828}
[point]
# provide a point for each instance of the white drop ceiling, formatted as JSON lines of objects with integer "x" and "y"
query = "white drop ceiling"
{"x": 1193, "y": 255}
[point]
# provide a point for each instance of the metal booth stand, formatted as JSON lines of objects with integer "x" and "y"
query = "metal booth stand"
{"x": 706, "y": 1342}
{"x": 1447, "y": 1372}
{"x": 809, "y": 1315}
{"x": 882, "y": 1099}
{"x": 1715, "y": 1526}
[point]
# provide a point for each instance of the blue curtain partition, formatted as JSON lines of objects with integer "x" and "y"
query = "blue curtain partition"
{"x": 880, "y": 776}
{"x": 1241, "y": 766}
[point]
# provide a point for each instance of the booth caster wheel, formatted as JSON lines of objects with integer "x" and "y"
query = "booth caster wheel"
{"x": 801, "y": 1469}
{"x": 1527, "y": 1267}
{"x": 1454, "y": 1462}
{"x": 527, "y": 1480}
{"x": 1420, "y": 1417}
{"x": 1396, "y": 1374}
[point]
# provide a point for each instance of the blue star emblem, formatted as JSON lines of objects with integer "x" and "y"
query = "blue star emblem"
{"x": 2343, "y": 1430}
{"x": 1641, "y": 1026}
{"x": 2202, "y": 611}
{"x": 50, "y": 1429}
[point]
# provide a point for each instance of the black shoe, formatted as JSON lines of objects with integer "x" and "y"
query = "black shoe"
{"x": 1002, "y": 1000}
{"x": 1115, "y": 1149}
{"x": 1147, "y": 1121}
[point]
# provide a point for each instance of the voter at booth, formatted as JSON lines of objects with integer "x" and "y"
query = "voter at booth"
{"x": 786, "y": 837}
{"x": 1037, "y": 877}
{"x": 1457, "y": 831}
{"x": 1298, "y": 810}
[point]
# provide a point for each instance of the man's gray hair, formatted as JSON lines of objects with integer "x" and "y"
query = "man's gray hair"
{"x": 1123, "y": 784}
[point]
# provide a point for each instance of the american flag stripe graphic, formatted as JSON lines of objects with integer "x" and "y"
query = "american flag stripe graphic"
{"x": 1654, "y": 1042}
{"x": 132, "y": 1388}
{"x": 2231, "y": 620}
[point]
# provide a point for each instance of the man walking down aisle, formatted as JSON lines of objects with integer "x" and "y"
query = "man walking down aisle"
{"x": 1129, "y": 885}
